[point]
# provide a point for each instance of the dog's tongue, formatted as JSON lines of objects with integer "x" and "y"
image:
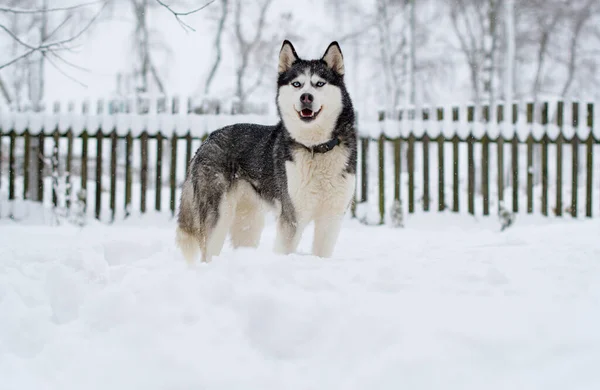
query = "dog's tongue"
{"x": 306, "y": 113}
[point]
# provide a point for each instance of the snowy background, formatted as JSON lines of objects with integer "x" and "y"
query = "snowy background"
{"x": 448, "y": 301}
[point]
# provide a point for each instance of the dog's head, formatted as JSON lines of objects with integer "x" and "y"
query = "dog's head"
{"x": 311, "y": 93}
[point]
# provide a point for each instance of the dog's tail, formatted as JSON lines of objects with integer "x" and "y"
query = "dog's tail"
{"x": 188, "y": 244}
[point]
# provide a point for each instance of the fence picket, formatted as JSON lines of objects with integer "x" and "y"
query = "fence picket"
{"x": 99, "y": 142}
{"x": 188, "y": 151}
{"x": 590, "y": 161}
{"x": 559, "y": 158}
{"x": 173, "y": 172}
{"x": 455, "y": 173}
{"x": 515, "y": 162}
{"x": 530, "y": 141}
{"x": 455, "y": 160}
{"x": 113, "y": 174}
{"x": 84, "y": 166}
{"x": 425, "y": 144}
{"x": 441, "y": 183}
{"x": 69, "y": 169}
{"x": 500, "y": 155}
{"x": 12, "y": 168}
{"x": 397, "y": 168}
{"x": 55, "y": 167}
{"x": 128, "y": 176}
{"x": 381, "y": 150}
{"x": 485, "y": 174}
{"x": 364, "y": 174}
{"x": 471, "y": 161}
{"x": 530, "y": 174}
{"x": 144, "y": 170}
{"x": 41, "y": 161}
{"x": 26, "y": 156}
{"x": 515, "y": 172}
{"x": 544, "y": 145}
{"x": 410, "y": 155}
{"x": 158, "y": 183}
{"x": 575, "y": 159}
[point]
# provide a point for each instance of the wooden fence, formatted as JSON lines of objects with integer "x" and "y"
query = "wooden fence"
{"x": 102, "y": 164}
{"x": 480, "y": 169}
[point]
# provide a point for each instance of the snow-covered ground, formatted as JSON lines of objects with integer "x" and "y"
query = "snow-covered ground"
{"x": 448, "y": 302}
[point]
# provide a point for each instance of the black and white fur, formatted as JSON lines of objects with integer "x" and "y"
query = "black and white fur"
{"x": 303, "y": 168}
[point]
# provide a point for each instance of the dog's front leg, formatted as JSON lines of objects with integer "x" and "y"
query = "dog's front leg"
{"x": 288, "y": 236}
{"x": 327, "y": 230}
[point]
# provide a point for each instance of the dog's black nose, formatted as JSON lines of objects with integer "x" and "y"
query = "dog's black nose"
{"x": 306, "y": 98}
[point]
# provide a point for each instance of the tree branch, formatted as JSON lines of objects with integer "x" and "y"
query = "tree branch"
{"x": 4, "y": 91}
{"x": 220, "y": 28}
{"x": 13, "y": 10}
{"x": 54, "y": 45}
{"x": 178, "y": 15}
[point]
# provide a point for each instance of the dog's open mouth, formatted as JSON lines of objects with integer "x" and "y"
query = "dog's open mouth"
{"x": 308, "y": 114}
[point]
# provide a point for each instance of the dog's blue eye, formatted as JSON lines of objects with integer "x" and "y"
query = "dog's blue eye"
{"x": 296, "y": 84}
{"x": 320, "y": 84}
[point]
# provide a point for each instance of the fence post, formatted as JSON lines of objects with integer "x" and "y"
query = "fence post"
{"x": 397, "y": 168}
{"x": 12, "y": 169}
{"x": 500, "y": 153}
{"x": 410, "y": 154}
{"x": 128, "y": 179}
{"x": 455, "y": 163}
{"x": 471, "y": 162}
{"x": 515, "y": 160}
{"x": 26, "y": 157}
{"x": 364, "y": 155}
{"x": 381, "y": 150}
{"x": 158, "y": 184}
{"x": 54, "y": 164}
{"x": 590, "y": 160}
{"x": 173, "y": 173}
{"x": 544, "y": 143}
{"x": 40, "y": 166}
{"x": 69, "y": 168}
{"x": 559, "y": 157}
{"x": 144, "y": 170}
{"x": 188, "y": 151}
{"x": 575, "y": 159}
{"x": 425, "y": 144}
{"x": 113, "y": 174}
{"x": 440, "y": 142}
{"x": 84, "y": 166}
{"x": 485, "y": 173}
{"x": 530, "y": 144}
{"x": 99, "y": 141}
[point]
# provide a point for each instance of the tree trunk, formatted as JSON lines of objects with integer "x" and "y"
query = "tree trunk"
{"x": 36, "y": 94}
{"x": 218, "y": 46}
{"x": 5, "y": 92}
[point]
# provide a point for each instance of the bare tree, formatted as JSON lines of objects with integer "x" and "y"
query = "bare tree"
{"x": 249, "y": 50}
{"x": 145, "y": 66}
{"x": 541, "y": 19}
{"x": 474, "y": 23}
{"x": 579, "y": 19}
{"x": 218, "y": 44}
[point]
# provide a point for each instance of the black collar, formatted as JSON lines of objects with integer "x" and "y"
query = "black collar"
{"x": 322, "y": 148}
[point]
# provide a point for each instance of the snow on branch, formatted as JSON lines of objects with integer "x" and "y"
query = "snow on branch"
{"x": 13, "y": 10}
{"x": 47, "y": 45}
{"x": 178, "y": 15}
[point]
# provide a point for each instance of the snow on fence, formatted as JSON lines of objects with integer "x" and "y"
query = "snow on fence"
{"x": 434, "y": 159}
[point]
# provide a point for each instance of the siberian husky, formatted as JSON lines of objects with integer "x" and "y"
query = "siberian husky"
{"x": 303, "y": 168}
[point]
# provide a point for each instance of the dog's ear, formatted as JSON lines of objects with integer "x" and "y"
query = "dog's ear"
{"x": 287, "y": 56}
{"x": 333, "y": 58}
